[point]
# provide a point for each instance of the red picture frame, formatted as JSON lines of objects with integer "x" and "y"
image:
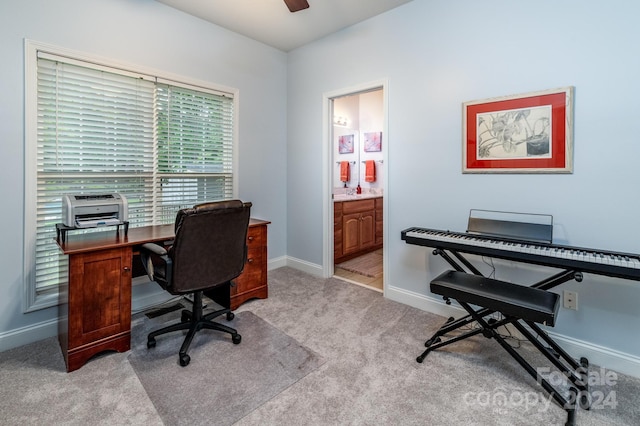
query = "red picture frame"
{"x": 527, "y": 133}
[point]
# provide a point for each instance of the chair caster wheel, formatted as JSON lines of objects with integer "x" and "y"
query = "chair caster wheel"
{"x": 151, "y": 343}
{"x": 236, "y": 338}
{"x": 230, "y": 316}
{"x": 420, "y": 359}
{"x": 184, "y": 360}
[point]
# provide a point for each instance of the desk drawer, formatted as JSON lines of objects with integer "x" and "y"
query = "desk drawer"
{"x": 256, "y": 237}
{"x": 349, "y": 207}
{"x": 251, "y": 277}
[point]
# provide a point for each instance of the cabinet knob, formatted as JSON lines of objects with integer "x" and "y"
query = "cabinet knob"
{"x": 250, "y": 238}
{"x": 126, "y": 268}
{"x": 250, "y": 260}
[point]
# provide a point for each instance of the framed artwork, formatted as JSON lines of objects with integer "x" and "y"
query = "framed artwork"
{"x": 527, "y": 133}
{"x": 345, "y": 144}
{"x": 373, "y": 142}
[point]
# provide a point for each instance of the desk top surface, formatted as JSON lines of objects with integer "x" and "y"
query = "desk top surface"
{"x": 108, "y": 239}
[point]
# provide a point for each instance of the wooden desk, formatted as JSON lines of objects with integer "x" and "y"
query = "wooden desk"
{"x": 95, "y": 303}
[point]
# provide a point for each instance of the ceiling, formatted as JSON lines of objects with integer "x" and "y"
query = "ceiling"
{"x": 270, "y": 22}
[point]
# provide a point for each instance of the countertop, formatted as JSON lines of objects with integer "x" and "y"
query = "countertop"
{"x": 345, "y": 197}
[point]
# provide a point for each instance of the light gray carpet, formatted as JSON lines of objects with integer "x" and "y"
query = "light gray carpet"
{"x": 370, "y": 376}
{"x": 35, "y": 389}
{"x": 223, "y": 381}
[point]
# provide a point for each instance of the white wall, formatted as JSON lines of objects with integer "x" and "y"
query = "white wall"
{"x": 438, "y": 54}
{"x": 148, "y": 34}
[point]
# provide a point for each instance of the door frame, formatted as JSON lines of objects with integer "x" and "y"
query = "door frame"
{"x": 329, "y": 170}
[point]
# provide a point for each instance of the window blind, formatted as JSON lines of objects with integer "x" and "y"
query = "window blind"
{"x": 195, "y": 140}
{"x": 163, "y": 147}
{"x": 95, "y": 134}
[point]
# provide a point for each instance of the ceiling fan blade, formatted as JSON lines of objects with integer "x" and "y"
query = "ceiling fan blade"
{"x": 296, "y": 5}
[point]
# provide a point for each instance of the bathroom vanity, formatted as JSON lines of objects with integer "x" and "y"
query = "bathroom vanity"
{"x": 357, "y": 226}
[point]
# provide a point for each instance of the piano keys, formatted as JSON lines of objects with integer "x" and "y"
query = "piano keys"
{"x": 601, "y": 262}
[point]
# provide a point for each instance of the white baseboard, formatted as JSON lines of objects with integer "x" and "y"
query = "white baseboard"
{"x": 29, "y": 334}
{"x": 422, "y": 302}
{"x": 276, "y": 263}
{"x": 304, "y": 266}
{"x": 598, "y": 355}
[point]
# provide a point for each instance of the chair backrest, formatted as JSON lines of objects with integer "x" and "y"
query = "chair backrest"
{"x": 210, "y": 245}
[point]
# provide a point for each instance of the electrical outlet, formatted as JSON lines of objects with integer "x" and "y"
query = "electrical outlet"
{"x": 570, "y": 299}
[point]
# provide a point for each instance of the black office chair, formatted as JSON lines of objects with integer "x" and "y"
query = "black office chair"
{"x": 209, "y": 250}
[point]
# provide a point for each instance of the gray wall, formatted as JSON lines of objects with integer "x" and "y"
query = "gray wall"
{"x": 437, "y": 54}
{"x": 148, "y": 34}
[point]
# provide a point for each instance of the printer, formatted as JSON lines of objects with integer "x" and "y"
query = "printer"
{"x": 94, "y": 210}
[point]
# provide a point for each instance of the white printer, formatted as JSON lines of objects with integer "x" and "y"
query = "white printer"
{"x": 93, "y": 210}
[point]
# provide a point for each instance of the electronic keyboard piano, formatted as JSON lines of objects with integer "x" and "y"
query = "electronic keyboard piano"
{"x": 601, "y": 262}
{"x": 519, "y": 237}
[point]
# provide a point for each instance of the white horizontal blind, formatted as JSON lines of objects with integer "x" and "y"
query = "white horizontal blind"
{"x": 195, "y": 141}
{"x": 164, "y": 147}
{"x": 95, "y": 135}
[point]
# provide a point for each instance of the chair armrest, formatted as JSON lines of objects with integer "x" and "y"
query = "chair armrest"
{"x": 154, "y": 248}
{"x": 157, "y": 263}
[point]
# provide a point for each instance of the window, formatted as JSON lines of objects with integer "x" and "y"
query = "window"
{"x": 194, "y": 149}
{"x": 98, "y": 129}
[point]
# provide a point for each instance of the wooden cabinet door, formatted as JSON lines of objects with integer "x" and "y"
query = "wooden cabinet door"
{"x": 358, "y": 230}
{"x": 350, "y": 233}
{"x": 367, "y": 229}
{"x": 99, "y": 295}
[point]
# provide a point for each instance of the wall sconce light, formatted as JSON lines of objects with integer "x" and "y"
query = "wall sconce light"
{"x": 340, "y": 121}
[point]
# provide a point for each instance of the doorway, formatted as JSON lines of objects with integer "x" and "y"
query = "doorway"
{"x": 355, "y": 204}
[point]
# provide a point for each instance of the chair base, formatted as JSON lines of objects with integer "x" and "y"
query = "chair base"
{"x": 195, "y": 321}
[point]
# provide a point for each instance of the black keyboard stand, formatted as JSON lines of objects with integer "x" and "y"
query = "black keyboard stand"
{"x": 519, "y": 306}
{"x": 62, "y": 229}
